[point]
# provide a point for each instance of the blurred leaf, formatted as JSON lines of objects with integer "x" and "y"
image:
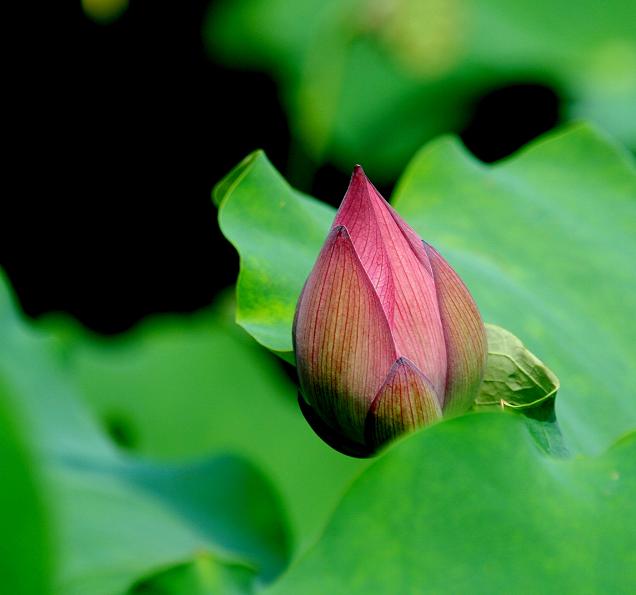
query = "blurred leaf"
{"x": 376, "y": 78}
{"x": 514, "y": 376}
{"x": 116, "y": 518}
{"x": 202, "y": 576}
{"x": 25, "y": 553}
{"x": 545, "y": 240}
{"x": 470, "y": 505}
{"x": 189, "y": 386}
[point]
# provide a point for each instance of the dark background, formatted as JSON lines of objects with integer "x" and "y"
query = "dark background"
{"x": 122, "y": 131}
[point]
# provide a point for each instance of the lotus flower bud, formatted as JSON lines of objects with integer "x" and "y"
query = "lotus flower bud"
{"x": 387, "y": 337}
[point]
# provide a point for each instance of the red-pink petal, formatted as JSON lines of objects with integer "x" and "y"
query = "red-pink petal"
{"x": 358, "y": 215}
{"x": 465, "y": 336}
{"x": 397, "y": 265}
{"x": 406, "y": 401}
{"x": 342, "y": 339}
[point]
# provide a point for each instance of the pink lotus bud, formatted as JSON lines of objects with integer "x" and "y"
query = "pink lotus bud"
{"x": 387, "y": 337}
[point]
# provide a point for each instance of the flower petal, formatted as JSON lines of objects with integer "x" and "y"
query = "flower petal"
{"x": 397, "y": 265}
{"x": 358, "y": 215}
{"x": 406, "y": 401}
{"x": 465, "y": 335}
{"x": 342, "y": 338}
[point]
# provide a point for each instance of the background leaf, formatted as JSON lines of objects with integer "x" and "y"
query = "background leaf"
{"x": 470, "y": 505}
{"x": 529, "y": 236}
{"x": 378, "y": 78}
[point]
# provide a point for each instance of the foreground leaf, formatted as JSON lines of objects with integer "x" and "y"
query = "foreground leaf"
{"x": 470, "y": 505}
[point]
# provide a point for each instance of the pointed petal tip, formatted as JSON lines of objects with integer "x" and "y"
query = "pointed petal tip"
{"x": 357, "y": 170}
{"x": 359, "y": 191}
{"x": 358, "y": 176}
{"x": 339, "y": 233}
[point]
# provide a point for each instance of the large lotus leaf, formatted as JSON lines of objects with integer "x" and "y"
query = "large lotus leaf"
{"x": 545, "y": 240}
{"x": 472, "y": 506}
{"x": 377, "y": 78}
{"x": 190, "y": 386}
{"x": 115, "y": 518}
